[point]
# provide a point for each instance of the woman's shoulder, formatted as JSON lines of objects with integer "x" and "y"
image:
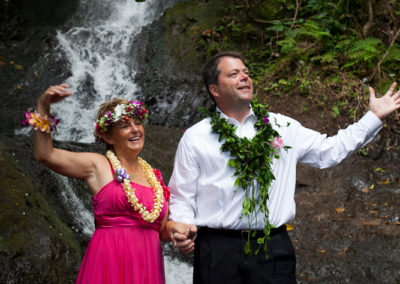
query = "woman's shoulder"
{"x": 102, "y": 174}
{"x": 100, "y": 161}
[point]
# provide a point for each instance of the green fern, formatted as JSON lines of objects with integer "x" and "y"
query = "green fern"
{"x": 326, "y": 58}
{"x": 308, "y": 30}
{"x": 364, "y": 53}
{"x": 393, "y": 55}
{"x": 287, "y": 45}
{"x": 311, "y": 29}
{"x": 368, "y": 45}
{"x": 343, "y": 44}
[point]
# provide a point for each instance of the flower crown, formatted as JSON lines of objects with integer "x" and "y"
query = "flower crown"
{"x": 133, "y": 109}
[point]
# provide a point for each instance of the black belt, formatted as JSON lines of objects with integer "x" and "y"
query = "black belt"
{"x": 242, "y": 233}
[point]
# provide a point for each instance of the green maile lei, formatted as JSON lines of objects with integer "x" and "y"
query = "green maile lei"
{"x": 252, "y": 161}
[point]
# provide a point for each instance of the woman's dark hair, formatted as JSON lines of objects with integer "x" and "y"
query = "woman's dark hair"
{"x": 211, "y": 71}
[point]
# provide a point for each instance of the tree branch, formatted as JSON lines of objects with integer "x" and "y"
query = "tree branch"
{"x": 378, "y": 67}
{"x": 295, "y": 14}
{"x": 261, "y": 21}
{"x": 368, "y": 24}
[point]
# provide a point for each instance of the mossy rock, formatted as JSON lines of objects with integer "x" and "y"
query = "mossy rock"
{"x": 184, "y": 25}
{"x": 168, "y": 56}
{"x": 35, "y": 246}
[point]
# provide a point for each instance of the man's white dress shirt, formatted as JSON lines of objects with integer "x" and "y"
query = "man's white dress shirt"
{"x": 202, "y": 185}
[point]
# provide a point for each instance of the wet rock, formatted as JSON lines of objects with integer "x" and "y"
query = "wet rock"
{"x": 169, "y": 66}
{"x": 346, "y": 233}
{"x": 27, "y": 30}
{"x": 35, "y": 246}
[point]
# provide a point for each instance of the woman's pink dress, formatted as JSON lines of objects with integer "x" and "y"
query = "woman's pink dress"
{"x": 124, "y": 248}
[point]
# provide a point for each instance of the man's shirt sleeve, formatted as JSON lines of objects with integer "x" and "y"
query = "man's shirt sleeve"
{"x": 320, "y": 151}
{"x": 183, "y": 183}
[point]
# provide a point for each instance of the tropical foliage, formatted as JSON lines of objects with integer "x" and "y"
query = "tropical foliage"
{"x": 326, "y": 51}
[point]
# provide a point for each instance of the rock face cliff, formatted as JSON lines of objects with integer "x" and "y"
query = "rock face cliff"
{"x": 35, "y": 245}
{"x": 169, "y": 64}
{"x": 27, "y": 30}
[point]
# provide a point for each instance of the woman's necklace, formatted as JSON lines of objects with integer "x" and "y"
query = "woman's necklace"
{"x": 123, "y": 178}
{"x": 252, "y": 161}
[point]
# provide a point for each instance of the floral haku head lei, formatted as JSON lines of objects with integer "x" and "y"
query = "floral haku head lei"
{"x": 133, "y": 109}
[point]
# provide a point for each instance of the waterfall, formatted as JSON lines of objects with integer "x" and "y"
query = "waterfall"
{"x": 96, "y": 48}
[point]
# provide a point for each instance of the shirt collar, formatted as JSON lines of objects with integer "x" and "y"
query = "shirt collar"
{"x": 232, "y": 120}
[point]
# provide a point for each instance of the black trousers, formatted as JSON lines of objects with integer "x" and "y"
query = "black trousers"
{"x": 219, "y": 258}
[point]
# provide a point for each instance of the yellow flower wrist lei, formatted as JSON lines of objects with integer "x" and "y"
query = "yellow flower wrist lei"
{"x": 38, "y": 122}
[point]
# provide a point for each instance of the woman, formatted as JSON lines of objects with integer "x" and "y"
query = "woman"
{"x": 129, "y": 197}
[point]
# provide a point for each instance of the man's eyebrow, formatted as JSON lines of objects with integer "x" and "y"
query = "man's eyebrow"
{"x": 238, "y": 70}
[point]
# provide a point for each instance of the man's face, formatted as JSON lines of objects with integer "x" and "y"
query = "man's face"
{"x": 234, "y": 86}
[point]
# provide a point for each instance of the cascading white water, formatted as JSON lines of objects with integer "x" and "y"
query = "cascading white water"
{"x": 97, "y": 49}
{"x": 83, "y": 218}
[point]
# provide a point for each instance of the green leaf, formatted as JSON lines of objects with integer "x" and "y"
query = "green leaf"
{"x": 335, "y": 111}
{"x": 247, "y": 248}
{"x": 246, "y": 203}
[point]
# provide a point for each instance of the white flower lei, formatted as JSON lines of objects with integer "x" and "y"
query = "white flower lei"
{"x": 130, "y": 190}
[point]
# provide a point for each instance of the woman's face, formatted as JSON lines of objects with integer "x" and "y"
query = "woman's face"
{"x": 127, "y": 136}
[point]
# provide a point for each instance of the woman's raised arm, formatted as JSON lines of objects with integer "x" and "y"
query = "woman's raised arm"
{"x": 71, "y": 164}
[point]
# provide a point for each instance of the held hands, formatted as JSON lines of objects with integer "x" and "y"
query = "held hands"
{"x": 385, "y": 105}
{"x": 182, "y": 235}
{"x": 53, "y": 95}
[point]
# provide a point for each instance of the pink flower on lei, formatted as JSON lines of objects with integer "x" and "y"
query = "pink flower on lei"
{"x": 277, "y": 143}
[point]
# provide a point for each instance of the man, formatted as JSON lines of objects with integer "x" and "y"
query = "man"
{"x": 203, "y": 191}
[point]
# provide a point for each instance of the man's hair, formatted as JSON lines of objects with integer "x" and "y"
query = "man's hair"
{"x": 211, "y": 71}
